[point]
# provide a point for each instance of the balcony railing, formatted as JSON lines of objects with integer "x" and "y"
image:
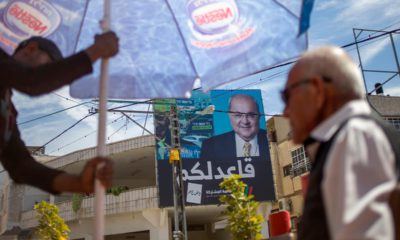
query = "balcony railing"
{"x": 130, "y": 201}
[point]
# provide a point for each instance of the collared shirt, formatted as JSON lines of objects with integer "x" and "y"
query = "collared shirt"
{"x": 254, "y": 151}
{"x": 358, "y": 175}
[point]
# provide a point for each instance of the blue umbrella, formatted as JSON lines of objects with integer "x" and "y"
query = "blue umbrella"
{"x": 166, "y": 45}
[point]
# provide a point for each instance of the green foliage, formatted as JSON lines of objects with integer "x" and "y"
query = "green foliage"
{"x": 51, "y": 225}
{"x": 117, "y": 190}
{"x": 77, "y": 199}
{"x": 244, "y": 223}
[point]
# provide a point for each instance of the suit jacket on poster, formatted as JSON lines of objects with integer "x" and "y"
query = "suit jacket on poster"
{"x": 223, "y": 147}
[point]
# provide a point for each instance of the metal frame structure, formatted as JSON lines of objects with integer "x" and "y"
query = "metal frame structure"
{"x": 359, "y": 37}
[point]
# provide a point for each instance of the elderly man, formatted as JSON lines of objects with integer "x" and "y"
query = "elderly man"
{"x": 352, "y": 151}
{"x": 244, "y": 140}
{"x": 36, "y": 68}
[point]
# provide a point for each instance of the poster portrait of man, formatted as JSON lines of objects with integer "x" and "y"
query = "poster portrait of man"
{"x": 246, "y": 139}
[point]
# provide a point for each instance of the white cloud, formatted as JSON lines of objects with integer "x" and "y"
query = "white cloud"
{"x": 394, "y": 91}
{"x": 358, "y": 13}
{"x": 323, "y": 5}
{"x": 370, "y": 51}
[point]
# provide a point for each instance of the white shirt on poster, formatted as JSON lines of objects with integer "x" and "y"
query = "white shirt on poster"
{"x": 254, "y": 151}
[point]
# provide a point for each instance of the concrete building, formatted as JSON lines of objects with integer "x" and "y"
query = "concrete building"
{"x": 388, "y": 107}
{"x": 133, "y": 214}
{"x": 290, "y": 164}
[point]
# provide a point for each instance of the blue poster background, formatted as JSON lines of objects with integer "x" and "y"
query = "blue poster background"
{"x": 220, "y": 99}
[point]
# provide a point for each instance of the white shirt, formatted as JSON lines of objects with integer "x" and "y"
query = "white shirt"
{"x": 358, "y": 175}
{"x": 254, "y": 152}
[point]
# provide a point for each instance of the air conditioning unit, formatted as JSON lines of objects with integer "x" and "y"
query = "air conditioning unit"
{"x": 285, "y": 204}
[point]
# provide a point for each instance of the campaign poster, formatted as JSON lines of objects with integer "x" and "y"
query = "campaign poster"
{"x": 231, "y": 139}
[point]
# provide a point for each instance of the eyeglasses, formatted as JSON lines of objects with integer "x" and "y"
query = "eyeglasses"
{"x": 285, "y": 93}
{"x": 239, "y": 115}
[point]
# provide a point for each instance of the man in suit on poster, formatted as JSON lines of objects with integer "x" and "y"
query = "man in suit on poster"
{"x": 246, "y": 139}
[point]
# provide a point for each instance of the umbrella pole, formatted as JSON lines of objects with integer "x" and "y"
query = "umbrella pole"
{"x": 101, "y": 137}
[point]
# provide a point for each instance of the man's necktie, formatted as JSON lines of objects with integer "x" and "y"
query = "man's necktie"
{"x": 246, "y": 149}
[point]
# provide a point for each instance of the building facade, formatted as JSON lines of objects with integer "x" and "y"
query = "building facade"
{"x": 134, "y": 213}
{"x": 290, "y": 164}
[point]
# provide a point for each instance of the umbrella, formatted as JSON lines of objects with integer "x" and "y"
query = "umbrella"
{"x": 165, "y": 44}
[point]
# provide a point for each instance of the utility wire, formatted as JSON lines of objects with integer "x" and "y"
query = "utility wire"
{"x": 65, "y": 98}
{"x": 44, "y": 116}
{"x": 261, "y": 80}
{"x": 73, "y": 125}
{"x": 150, "y": 101}
{"x": 116, "y": 131}
{"x": 76, "y": 140}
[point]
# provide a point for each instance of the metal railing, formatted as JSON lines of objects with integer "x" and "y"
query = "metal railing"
{"x": 129, "y": 201}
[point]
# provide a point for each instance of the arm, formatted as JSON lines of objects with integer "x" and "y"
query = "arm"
{"x": 84, "y": 183}
{"x": 358, "y": 177}
{"x": 45, "y": 78}
{"x": 23, "y": 169}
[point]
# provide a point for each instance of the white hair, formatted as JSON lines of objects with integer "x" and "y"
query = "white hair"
{"x": 335, "y": 64}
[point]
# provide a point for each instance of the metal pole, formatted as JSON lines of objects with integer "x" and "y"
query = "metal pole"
{"x": 180, "y": 228}
{"x": 182, "y": 199}
{"x": 395, "y": 53}
{"x": 177, "y": 232}
{"x": 359, "y": 59}
{"x": 147, "y": 116}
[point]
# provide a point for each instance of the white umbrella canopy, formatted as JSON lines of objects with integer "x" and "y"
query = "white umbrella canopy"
{"x": 166, "y": 45}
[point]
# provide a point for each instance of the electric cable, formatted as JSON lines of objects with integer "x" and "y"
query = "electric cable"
{"x": 50, "y": 114}
{"x": 150, "y": 101}
{"x": 70, "y": 127}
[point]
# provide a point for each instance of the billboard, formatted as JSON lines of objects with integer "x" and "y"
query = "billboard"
{"x": 232, "y": 140}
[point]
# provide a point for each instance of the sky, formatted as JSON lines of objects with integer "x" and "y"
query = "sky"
{"x": 332, "y": 23}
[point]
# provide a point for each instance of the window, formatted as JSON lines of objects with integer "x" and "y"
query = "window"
{"x": 301, "y": 163}
{"x": 395, "y": 121}
{"x": 287, "y": 170}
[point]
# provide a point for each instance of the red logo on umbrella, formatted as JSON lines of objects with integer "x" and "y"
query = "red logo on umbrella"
{"x": 31, "y": 17}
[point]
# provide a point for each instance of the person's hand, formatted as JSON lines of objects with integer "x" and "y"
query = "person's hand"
{"x": 105, "y": 45}
{"x": 91, "y": 172}
{"x": 98, "y": 167}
